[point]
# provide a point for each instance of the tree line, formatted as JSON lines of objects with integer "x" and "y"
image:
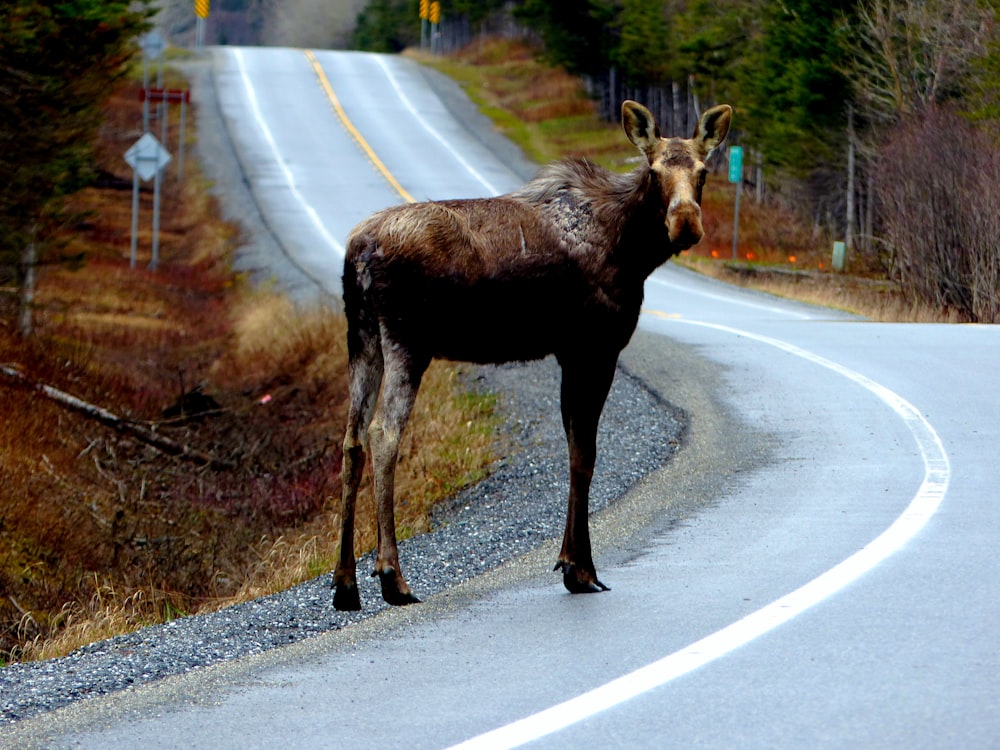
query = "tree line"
{"x": 58, "y": 62}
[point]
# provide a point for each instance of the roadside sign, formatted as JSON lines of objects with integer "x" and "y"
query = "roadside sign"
{"x": 147, "y": 156}
{"x": 736, "y": 164}
{"x": 201, "y": 8}
{"x": 176, "y": 96}
{"x": 165, "y": 95}
{"x": 839, "y": 255}
{"x": 152, "y": 44}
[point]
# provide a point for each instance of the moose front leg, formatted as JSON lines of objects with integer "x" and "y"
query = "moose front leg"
{"x": 585, "y": 387}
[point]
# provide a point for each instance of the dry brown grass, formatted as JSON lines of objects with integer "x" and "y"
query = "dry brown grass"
{"x": 100, "y": 533}
{"x": 876, "y": 300}
{"x": 108, "y": 613}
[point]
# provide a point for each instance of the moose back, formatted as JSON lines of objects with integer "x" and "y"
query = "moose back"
{"x": 556, "y": 267}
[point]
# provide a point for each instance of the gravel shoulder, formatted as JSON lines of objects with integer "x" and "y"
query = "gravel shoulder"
{"x": 515, "y": 510}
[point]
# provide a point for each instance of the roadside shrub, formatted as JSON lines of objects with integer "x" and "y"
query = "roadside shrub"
{"x": 938, "y": 193}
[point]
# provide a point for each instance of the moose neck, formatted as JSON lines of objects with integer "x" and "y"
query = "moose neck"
{"x": 636, "y": 217}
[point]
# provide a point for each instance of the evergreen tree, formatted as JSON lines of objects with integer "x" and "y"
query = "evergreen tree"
{"x": 792, "y": 92}
{"x": 388, "y": 26}
{"x": 711, "y": 37}
{"x": 643, "y": 50}
{"x": 580, "y": 36}
{"x": 58, "y": 61}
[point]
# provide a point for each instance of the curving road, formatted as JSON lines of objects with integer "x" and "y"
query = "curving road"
{"x": 327, "y": 138}
{"x": 837, "y": 585}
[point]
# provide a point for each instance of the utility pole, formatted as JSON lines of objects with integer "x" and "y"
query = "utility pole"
{"x": 849, "y": 219}
{"x": 201, "y": 8}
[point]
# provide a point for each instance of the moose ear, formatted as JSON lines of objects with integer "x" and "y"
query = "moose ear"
{"x": 712, "y": 129}
{"x": 640, "y": 127}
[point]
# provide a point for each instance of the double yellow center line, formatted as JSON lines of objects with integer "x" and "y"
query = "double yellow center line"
{"x": 338, "y": 110}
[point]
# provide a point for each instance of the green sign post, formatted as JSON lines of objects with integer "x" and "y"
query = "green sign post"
{"x": 736, "y": 164}
{"x": 736, "y": 176}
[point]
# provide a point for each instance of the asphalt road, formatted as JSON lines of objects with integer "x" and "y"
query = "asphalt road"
{"x": 327, "y": 138}
{"x": 835, "y": 586}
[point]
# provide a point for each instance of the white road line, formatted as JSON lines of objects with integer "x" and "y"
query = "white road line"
{"x": 937, "y": 474}
{"x": 289, "y": 177}
{"x": 731, "y": 300}
{"x": 434, "y": 134}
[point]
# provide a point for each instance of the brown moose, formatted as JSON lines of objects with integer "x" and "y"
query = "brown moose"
{"x": 556, "y": 267}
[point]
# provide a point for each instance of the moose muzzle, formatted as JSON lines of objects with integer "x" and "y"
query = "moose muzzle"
{"x": 684, "y": 224}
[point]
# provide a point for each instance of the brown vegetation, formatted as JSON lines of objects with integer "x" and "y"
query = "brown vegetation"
{"x": 100, "y": 532}
{"x": 940, "y": 204}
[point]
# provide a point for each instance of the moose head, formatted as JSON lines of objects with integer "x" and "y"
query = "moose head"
{"x": 679, "y": 165}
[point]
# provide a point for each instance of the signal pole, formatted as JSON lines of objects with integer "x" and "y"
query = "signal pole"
{"x": 201, "y": 8}
{"x": 425, "y": 14}
{"x": 435, "y": 19}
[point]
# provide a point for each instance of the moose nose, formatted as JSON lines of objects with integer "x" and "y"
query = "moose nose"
{"x": 684, "y": 225}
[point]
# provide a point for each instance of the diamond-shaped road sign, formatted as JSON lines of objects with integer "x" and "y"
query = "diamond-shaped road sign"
{"x": 152, "y": 44}
{"x": 147, "y": 156}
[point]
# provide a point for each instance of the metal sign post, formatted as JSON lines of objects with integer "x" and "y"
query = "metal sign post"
{"x": 435, "y": 19}
{"x": 177, "y": 96}
{"x": 736, "y": 176}
{"x": 201, "y": 8}
{"x": 147, "y": 157}
{"x": 152, "y": 45}
{"x": 180, "y": 138}
{"x": 425, "y": 14}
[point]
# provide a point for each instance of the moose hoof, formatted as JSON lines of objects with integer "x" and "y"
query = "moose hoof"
{"x": 346, "y": 597}
{"x": 394, "y": 589}
{"x": 579, "y": 581}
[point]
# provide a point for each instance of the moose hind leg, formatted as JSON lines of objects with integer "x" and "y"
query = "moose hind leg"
{"x": 585, "y": 387}
{"x": 366, "y": 369}
{"x": 403, "y": 372}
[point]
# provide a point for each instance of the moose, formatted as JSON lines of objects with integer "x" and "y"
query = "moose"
{"x": 556, "y": 267}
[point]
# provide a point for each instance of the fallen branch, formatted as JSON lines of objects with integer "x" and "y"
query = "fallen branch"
{"x": 119, "y": 424}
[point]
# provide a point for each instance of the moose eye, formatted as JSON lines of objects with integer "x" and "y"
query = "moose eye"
{"x": 699, "y": 184}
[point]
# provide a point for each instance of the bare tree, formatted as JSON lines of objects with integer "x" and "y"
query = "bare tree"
{"x": 310, "y": 23}
{"x": 939, "y": 199}
{"x": 911, "y": 54}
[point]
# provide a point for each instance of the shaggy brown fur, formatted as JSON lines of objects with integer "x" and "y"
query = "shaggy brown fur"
{"x": 556, "y": 267}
